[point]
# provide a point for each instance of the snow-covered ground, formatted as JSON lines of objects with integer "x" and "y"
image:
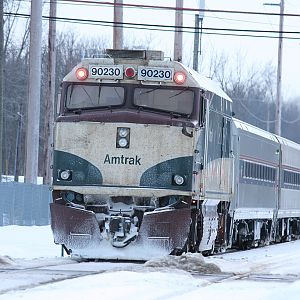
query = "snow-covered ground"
{"x": 168, "y": 278}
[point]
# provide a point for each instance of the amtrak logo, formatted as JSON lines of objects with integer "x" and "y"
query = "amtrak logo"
{"x": 122, "y": 160}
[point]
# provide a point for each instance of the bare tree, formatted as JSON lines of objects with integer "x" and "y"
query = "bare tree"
{"x": 250, "y": 88}
{"x": 132, "y": 41}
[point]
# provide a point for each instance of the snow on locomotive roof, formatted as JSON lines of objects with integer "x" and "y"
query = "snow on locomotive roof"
{"x": 268, "y": 135}
{"x": 288, "y": 143}
{"x": 208, "y": 84}
{"x": 255, "y": 130}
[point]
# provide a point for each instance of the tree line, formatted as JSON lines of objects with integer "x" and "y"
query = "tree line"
{"x": 253, "y": 91}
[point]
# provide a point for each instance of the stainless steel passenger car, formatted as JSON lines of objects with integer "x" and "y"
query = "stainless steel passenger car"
{"x": 288, "y": 213}
{"x": 149, "y": 161}
{"x": 266, "y": 203}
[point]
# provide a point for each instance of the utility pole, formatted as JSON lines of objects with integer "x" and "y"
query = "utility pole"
{"x": 197, "y": 37}
{"x": 118, "y": 25}
{"x": 178, "y": 31}
{"x": 1, "y": 88}
{"x": 33, "y": 103}
{"x": 279, "y": 68}
{"x": 17, "y": 145}
{"x": 50, "y": 96}
{"x": 279, "y": 72}
{"x": 196, "y": 43}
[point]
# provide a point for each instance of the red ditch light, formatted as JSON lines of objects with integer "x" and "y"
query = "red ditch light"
{"x": 82, "y": 73}
{"x": 179, "y": 77}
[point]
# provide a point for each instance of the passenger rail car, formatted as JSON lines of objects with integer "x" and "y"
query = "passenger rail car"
{"x": 149, "y": 161}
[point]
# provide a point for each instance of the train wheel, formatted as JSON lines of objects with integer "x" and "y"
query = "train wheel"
{"x": 177, "y": 252}
{"x": 208, "y": 252}
{"x": 242, "y": 238}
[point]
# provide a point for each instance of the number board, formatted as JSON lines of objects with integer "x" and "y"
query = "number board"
{"x": 106, "y": 72}
{"x": 155, "y": 73}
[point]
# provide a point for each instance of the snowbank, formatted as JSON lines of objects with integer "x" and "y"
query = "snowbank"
{"x": 5, "y": 261}
{"x": 190, "y": 262}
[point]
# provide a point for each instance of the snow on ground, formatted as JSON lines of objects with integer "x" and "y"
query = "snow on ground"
{"x": 166, "y": 278}
{"x": 28, "y": 242}
{"x": 274, "y": 259}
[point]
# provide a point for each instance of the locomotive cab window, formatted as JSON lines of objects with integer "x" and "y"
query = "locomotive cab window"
{"x": 89, "y": 96}
{"x": 172, "y": 100}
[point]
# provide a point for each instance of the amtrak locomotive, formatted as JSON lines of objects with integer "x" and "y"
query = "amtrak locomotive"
{"x": 149, "y": 161}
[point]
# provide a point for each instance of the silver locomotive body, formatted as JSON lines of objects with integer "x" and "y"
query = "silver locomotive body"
{"x": 123, "y": 175}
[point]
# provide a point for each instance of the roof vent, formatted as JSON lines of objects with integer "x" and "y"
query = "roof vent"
{"x": 135, "y": 54}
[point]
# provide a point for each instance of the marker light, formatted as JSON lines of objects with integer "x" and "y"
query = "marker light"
{"x": 82, "y": 73}
{"x": 130, "y": 72}
{"x": 179, "y": 77}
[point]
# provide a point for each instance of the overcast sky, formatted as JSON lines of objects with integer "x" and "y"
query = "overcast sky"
{"x": 252, "y": 50}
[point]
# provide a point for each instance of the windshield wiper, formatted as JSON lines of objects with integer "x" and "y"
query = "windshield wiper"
{"x": 120, "y": 98}
{"x": 183, "y": 90}
{"x": 150, "y": 91}
{"x": 89, "y": 97}
{"x": 99, "y": 93}
{"x": 71, "y": 92}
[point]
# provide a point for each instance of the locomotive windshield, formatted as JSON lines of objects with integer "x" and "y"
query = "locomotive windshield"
{"x": 174, "y": 100}
{"x": 89, "y": 96}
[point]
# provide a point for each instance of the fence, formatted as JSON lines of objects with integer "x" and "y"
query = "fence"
{"x": 24, "y": 204}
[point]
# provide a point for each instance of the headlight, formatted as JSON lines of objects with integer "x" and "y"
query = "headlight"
{"x": 123, "y": 132}
{"x": 179, "y": 180}
{"x": 123, "y": 142}
{"x": 123, "y": 137}
{"x": 65, "y": 175}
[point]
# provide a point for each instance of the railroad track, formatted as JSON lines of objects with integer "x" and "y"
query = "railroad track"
{"x": 223, "y": 277}
{"x": 38, "y": 277}
{"x": 17, "y": 278}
